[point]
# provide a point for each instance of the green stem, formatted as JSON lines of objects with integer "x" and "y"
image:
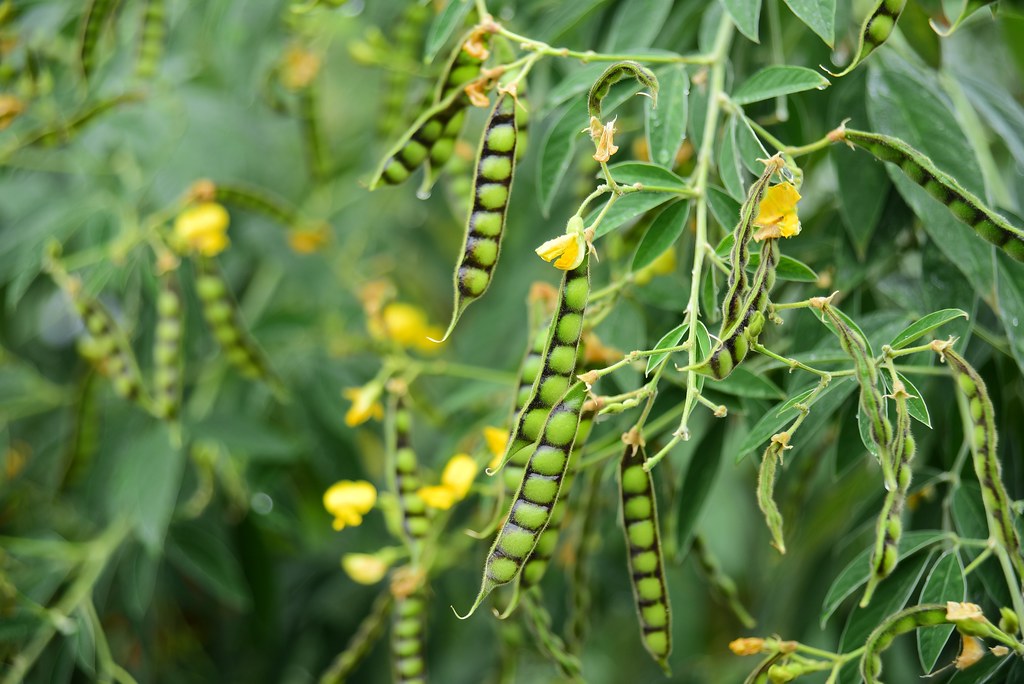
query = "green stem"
{"x": 532, "y": 45}
{"x": 460, "y": 370}
{"x": 792, "y": 363}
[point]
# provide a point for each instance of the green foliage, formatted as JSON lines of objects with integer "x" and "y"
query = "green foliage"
{"x": 216, "y": 270}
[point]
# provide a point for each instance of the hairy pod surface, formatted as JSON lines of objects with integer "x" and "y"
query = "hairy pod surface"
{"x": 485, "y": 226}
{"x": 766, "y": 494}
{"x": 225, "y": 322}
{"x": 167, "y": 348}
{"x": 615, "y": 73}
{"x": 646, "y": 564}
{"x": 537, "y": 495}
{"x": 561, "y": 350}
{"x": 907, "y": 620}
{"x": 965, "y": 205}
{"x": 875, "y": 30}
{"x": 404, "y": 468}
{"x": 408, "y": 638}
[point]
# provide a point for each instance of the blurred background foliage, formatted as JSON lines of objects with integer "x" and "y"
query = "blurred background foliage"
{"x": 228, "y": 569}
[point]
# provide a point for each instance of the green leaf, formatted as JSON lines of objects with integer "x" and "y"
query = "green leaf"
{"x": 627, "y": 208}
{"x": 729, "y": 163}
{"x": 144, "y": 484}
{"x": 556, "y": 151}
{"x": 773, "y": 81}
{"x": 749, "y": 147}
{"x": 925, "y": 325}
{"x": 787, "y": 269}
{"x": 819, "y": 15}
{"x": 666, "y": 123}
{"x": 669, "y": 339}
{"x": 724, "y": 208}
{"x": 665, "y": 229}
{"x": 744, "y": 383}
{"x": 628, "y": 173}
{"x": 450, "y": 18}
{"x": 636, "y": 24}
{"x": 984, "y": 670}
{"x": 944, "y": 583}
{"x": 916, "y": 406}
{"x": 864, "y": 429}
{"x": 746, "y": 14}
{"x": 855, "y": 574}
{"x": 703, "y": 349}
{"x": 204, "y": 556}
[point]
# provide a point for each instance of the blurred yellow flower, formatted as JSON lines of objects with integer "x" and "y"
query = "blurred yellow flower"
{"x": 456, "y": 481}
{"x": 308, "y": 239}
{"x": 496, "y": 439}
{"x": 203, "y": 228}
{"x": 364, "y": 568}
{"x": 745, "y": 646}
{"x": 299, "y": 67}
{"x": 971, "y": 651}
{"x": 365, "y": 404}
{"x": 777, "y": 216}
{"x": 407, "y": 325}
{"x": 349, "y": 501}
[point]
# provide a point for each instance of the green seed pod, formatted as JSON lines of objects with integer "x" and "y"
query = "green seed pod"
{"x": 361, "y": 643}
{"x": 536, "y": 497}
{"x": 537, "y": 563}
{"x": 646, "y": 565}
{"x": 965, "y": 206}
{"x": 560, "y": 350}
{"x": 1008, "y": 620}
{"x": 152, "y": 34}
{"x": 226, "y": 325}
{"x": 460, "y": 68}
{"x": 875, "y": 30}
{"x": 492, "y": 186}
{"x": 766, "y": 493}
{"x": 907, "y": 620}
{"x": 316, "y": 151}
{"x": 522, "y": 125}
{"x": 97, "y": 16}
{"x": 167, "y": 350}
{"x": 983, "y": 442}
{"x": 738, "y": 289}
{"x": 403, "y": 468}
{"x": 724, "y": 586}
{"x": 85, "y": 431}
{"x": 615, "y": 73}
{"x": 408, "y": 638}
{"x": 407, "y": 43}
{"x": 580, "y": 598}
{"x": 550, "y": 644}
{"x": 258, "y": 200}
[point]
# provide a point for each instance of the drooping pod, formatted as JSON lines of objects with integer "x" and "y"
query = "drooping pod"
{"x": 943, "y": 187}
{"x": 97, "y": 16}
{"x": 225, "y": 322}
{"x": 258, "y": 200}
{"x": 84, "y": 439}
{"x": 723, "y": 585}
{"x": 167, "y": 348}
{"x": 537, "y": 563}
{"x": 560, "y": 354}
{"x": 646, "y": 565}
{"x": 885, "y": 553}
{"x": 552, "y": 645}
{"x": 404, "y": 469}
{"x": 735, "y": 341}
{"x": 983, "y": 441}
{"x": 737, "y": 291}
{"x": 615, "y": 73}
{"x": 407, "y": 42}
{"x": 522, "y": 125}
{"x": 536, "y": 497}
{"x": 152, "y": 33}
{"x": 766, "y": 493}
{"x": 875, "y": 30}
{"x": 408, "y": 637}
{"x": 65, "y": 131}
{"x": 907, "y": 620}
{"x": 103, "y": 343}
{"x": 308, "y": 99}
{"x": 361, "y": 643}
{"x": 492, "y": 187}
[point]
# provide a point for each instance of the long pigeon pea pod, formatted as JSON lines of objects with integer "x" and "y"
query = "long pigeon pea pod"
{"x": 735, "y": 341}
{"x": 983, "y": 442}
{"x": 536, "y": 497}
{"x": 875, "y": 30}
{"x": 615, "y": 73}
{"x": 485, "y": 226}
{"x": 167, "y": 347}
{"x": 404, "y": 469}
{"x": 225, "y": 322}
{"x": 539, "y": 621}
{"x": 460, "y": 68}
{"x": 907, "y": 620}
{"x": 98, "y": 15}
{"x": 732, "y": 304}
{"x": 646, "y": 563}
{"x": 408, "y": 637}
{"x": 407, "y": 43}
{"x": 369, "y": 631}
{"x": 152, "y": 33}
{"x": 943, "y": 187}
{"x": 560, "y": 354}
{"x": 249, "y": 197}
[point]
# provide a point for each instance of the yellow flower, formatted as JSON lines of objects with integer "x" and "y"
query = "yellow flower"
{"x": 568, "y": 249}
{"x": 365, "y": 404}
{"x": 963, "y": 611}
{"x": 203, "y": 228}
{"x": 406, "y": 325}
{"x": 496, "y": 440}
{"x": 437, "y": 496}
{"x": 349, "y": 501}
{"x": 364, "y": 568}
{"x": 308, "y": 240}
{"x": 971, "y": 651}
{"x": 605, "y": 142}
{"x": 745, "y": 646}
{"x": 456, "y": 481}
{"x": 776, "y": 217}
